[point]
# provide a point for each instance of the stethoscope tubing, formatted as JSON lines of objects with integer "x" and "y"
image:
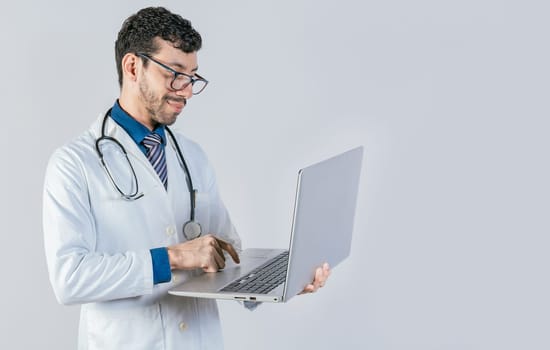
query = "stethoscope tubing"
{"x": 188, "y": 179}
{"x": 137, "y": 195}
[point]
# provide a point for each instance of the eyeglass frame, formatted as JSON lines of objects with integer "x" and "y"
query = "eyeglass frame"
{"x": 192, "y": 79}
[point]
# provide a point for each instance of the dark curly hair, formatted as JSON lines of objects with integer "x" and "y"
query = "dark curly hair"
{"x": 139, "y": 31}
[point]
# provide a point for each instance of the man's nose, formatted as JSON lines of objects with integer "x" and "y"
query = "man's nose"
{"x": 186, "y": 92}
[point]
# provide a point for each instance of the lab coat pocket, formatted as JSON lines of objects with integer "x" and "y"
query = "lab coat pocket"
{"x": 115, "y": 328}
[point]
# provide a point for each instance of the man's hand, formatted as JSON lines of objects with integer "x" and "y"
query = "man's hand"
{"x": 205, "y": 252}
{"x": 321, "y": 276}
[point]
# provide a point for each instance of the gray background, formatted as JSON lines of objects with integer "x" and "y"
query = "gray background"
{"x": 449, "y": 98}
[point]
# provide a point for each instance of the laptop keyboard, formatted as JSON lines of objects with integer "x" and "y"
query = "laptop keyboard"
{"x": 263, "y": 279}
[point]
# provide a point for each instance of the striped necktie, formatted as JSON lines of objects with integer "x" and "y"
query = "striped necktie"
{"x": 155, "y": 154}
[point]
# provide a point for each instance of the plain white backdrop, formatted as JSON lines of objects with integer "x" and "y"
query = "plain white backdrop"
{"x": 449, "y": 98}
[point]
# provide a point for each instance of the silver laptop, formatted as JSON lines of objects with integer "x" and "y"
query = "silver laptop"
{"x": 322, "y": 228}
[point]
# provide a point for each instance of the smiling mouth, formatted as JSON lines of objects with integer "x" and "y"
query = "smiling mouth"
{"x": 177, "y": 103}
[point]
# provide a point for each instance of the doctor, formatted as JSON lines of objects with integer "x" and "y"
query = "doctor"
{"x": 130, "y": 209}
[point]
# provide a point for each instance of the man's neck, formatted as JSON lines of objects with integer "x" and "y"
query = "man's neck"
{"x": 132, "y": 106}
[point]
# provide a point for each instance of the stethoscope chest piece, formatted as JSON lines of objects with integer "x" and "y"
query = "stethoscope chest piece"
{"x": 192, "y": 230}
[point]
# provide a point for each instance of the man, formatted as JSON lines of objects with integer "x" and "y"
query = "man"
{"x": 113, "y": 225}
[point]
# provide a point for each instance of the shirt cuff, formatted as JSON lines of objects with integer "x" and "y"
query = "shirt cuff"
{"x": 161, "y": 265}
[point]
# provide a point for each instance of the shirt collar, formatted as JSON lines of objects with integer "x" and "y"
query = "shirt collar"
{"x": 135, "y": 129}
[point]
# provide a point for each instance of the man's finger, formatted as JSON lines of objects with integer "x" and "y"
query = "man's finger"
{"x": 220, "y": 260}
{"x": 319, "y": 275}
{"x": 214, "y": 242}
{"x": 308, "y": 289}
{"x": 229, "y": 248}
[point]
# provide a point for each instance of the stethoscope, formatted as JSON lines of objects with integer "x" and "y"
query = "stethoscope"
{"x": 191, "y": 229}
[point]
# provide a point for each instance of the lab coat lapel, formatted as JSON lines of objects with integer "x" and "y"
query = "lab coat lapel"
{"x": 177, "y": 186}
{"x": 134, "y": 153}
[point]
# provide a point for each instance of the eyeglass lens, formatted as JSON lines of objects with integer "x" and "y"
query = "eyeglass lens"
{"x": 182, "y": 81}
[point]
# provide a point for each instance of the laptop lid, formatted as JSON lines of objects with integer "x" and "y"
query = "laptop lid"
{"x": 324, "y": 215}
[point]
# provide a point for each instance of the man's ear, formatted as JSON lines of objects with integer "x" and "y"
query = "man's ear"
{"x": 130, "y": 63}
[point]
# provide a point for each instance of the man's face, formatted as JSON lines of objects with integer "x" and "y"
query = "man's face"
{"x": 162, "y": 103}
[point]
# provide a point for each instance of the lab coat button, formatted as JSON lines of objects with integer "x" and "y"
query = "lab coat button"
{"x": 174, "y": 278}
{"x": 183, "y": 326}
{"x": 170, "y": 230}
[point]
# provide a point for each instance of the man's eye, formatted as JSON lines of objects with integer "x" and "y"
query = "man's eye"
{"x": 183, "y": 77}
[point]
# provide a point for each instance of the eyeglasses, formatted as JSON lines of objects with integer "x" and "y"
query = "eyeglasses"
{"x": 181, "y": 80}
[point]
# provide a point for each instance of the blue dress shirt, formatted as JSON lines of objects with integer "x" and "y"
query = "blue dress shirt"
{"x": 137, "y": 131}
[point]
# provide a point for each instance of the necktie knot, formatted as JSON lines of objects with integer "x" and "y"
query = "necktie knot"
{"x": 152, "y": 140}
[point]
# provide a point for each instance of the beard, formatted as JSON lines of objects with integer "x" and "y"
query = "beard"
{"x": 157, "y": 107}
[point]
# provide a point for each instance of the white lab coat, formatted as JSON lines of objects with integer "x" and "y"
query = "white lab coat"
{"x": 97, "y": 244}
